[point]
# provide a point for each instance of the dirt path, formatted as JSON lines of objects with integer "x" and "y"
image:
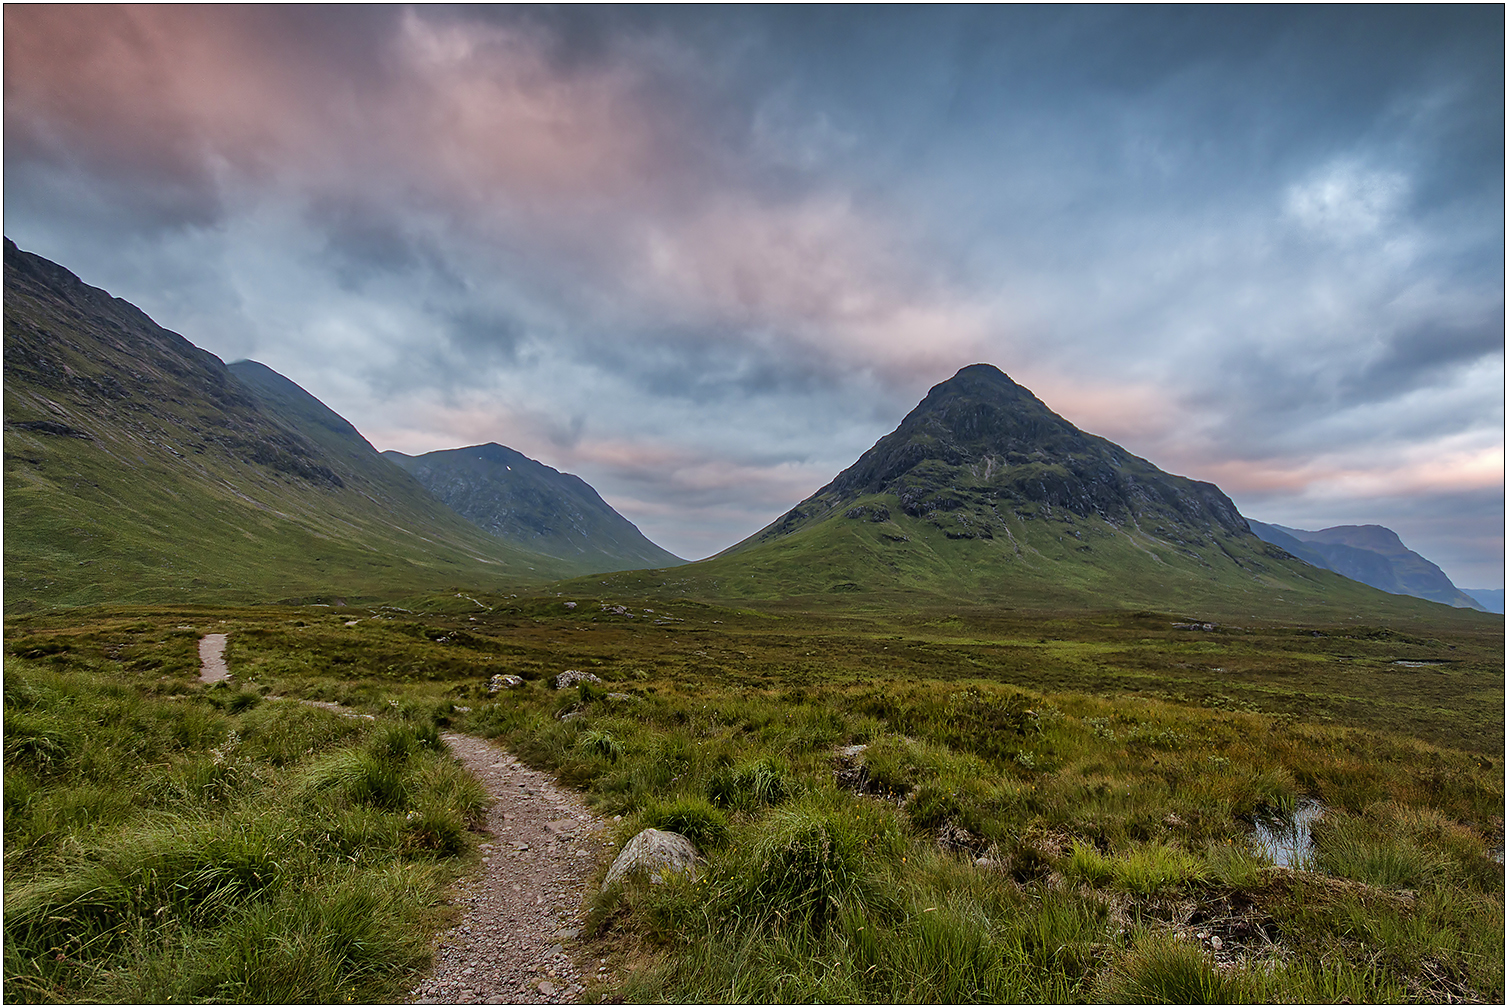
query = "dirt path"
{"x": 212, "y": 667}
{"x": 520, "y": 912}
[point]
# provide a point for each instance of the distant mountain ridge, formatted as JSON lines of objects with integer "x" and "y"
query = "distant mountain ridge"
{"x": 984, "y": 494}
{"x": 139, "y": 467}
{"x": 529, "y": 503}
{"x": 1371, "y": 554}
{"x": 1490, "y": 599}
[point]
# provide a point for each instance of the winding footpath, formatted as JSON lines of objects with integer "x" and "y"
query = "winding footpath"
{"x": 523, "y": 909}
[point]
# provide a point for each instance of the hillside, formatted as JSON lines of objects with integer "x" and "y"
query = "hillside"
{"x": 139, "y": 468}
{"x": 983, "y": 494}
{"x": 537, "y": 507}
{"x": 1371, "y": 554}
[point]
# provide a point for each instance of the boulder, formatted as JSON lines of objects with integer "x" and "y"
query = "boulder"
{"x": 498, "y": 682}
{"x": 570, "y": 677}
{"x": 849, "y": 771}
{"x": 654, "y": 853}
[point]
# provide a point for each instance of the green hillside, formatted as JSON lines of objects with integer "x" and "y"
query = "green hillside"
{"x": 139, "y": 468}
{"x": 984, "y": 495}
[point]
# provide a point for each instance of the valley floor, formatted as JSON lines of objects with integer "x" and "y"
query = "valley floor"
{"x": 967, "y": 805}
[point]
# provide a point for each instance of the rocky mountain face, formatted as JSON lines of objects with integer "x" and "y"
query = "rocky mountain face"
{"x": 983, "y": 493}
{"x": 529, "y": 503}
{"x": 980, "y": 441}
{"x": 1371, "y": 554}
{"x": 139, "y": 467}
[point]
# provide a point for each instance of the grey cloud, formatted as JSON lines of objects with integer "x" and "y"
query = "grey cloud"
{"x": 1414, "y": 357}
{"x": 1103, "y": 187}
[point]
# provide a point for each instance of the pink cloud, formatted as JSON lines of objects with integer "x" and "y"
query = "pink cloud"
{"x": 589, "y": 167}
{"x": 1416, "y": 471}
{"x": 466, "y": 113}
{"x": 814, "y": 273}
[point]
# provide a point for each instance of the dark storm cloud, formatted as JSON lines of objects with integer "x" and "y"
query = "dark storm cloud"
{"x": 705, "y": 256}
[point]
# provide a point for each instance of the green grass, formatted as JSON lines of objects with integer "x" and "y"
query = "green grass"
{"x": 1061, "y": 562}
{"x": 160, "y": 847}
{"x": 1048, "y": 807}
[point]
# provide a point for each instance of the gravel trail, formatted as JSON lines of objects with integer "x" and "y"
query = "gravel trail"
{"x": 520, "y": 913}
{"x": 212, "y": 667}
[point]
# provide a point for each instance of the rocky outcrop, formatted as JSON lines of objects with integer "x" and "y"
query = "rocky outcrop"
{"x": 570, "y": 677}
{"x": 653, "y": 854}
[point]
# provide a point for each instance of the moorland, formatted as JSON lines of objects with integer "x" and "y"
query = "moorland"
{"x": 1048, "y": 806}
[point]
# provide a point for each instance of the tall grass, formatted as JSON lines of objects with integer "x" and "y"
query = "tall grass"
{"x": 1046, "y": 863}
{"x": 255, "y": 852}
{"x": 1019, "y": 827}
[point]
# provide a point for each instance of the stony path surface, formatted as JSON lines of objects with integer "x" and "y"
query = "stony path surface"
{"x": 212, "y": 667}
{"x": 520, "y": 913}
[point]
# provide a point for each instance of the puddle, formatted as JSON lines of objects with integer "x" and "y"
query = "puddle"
{"x": 1285, "y": 838}
{"x": 1420, "y": 664}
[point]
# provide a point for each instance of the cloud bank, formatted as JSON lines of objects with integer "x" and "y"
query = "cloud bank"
{"x": 704, "y": 258}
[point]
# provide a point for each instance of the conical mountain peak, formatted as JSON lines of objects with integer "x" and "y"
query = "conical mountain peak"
{"x": 979, "y": 435}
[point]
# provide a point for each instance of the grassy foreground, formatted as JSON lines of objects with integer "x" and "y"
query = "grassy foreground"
{"x": 1047, "y": 807}
{"x": 168, "y": 843}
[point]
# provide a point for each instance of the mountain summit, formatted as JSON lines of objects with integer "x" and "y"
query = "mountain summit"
{"x": 979, "y": 443}
{"x": 539, "y": 508}
{"x": 979, "y": 440}
{"x": 983, "y": 493}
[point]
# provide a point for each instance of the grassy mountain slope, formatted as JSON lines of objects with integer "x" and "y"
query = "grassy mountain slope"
{"x": 983, "y": 494}
{"x": 537, "y": 507}
{"x": 138, "y": 467}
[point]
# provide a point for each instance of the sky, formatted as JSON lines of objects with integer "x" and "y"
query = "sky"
{"x": 704, "y": 257}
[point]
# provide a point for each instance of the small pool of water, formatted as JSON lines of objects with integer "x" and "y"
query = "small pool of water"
{"x": 1286, "y": 839}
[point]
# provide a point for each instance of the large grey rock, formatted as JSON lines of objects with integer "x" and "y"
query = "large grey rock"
{"x": 570, "y": 677}
{"x": 654, "y": 853}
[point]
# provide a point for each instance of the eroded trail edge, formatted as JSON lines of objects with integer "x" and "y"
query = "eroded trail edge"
{"x": 522, "y": 909}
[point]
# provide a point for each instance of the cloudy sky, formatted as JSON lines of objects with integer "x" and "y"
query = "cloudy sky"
{"x": 703, "y": 258}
